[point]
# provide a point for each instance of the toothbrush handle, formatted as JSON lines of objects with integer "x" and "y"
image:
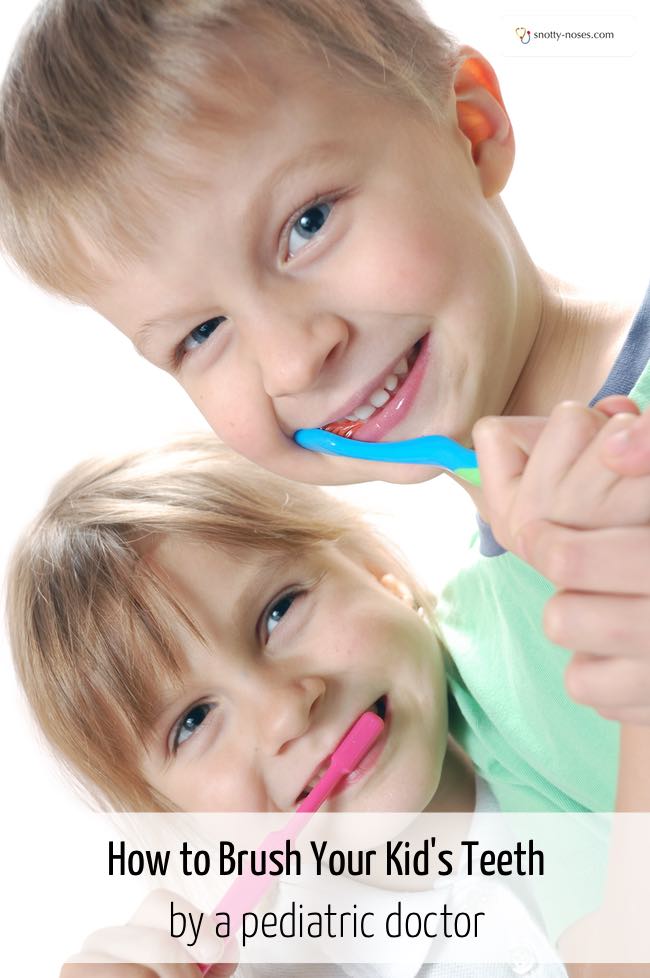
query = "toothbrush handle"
{"x": 247, "y": 890}
{"x": 321, "y": 791}
{"x": 426, "y": 450}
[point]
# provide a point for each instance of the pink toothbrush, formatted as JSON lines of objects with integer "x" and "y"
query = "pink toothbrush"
{"x": 247, "y": 890}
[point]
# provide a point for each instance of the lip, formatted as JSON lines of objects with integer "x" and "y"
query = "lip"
{"x": 366, "y": 763}
{"x": 397, "y": 409}
{"x": 363, "y": 394}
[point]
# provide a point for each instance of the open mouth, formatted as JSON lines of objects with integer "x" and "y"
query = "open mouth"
{"x": 380, "y": 707}
{"x": 387, "y": 391}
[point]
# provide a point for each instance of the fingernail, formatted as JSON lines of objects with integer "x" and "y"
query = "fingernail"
{"x": 620, "y": 443}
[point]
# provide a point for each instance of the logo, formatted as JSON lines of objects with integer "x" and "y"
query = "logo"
{"x": 523, "y": 34}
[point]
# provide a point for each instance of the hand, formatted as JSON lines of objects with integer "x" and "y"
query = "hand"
{"x": 537, "y": 476}
{"x": 113, "y": 950}
{"x": 602, "y": 609}
{"x": 532, "y": 468}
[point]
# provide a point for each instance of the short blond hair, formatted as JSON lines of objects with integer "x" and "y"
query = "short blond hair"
{"x": 93, "y": 83}
{"x": 91, "y": 622}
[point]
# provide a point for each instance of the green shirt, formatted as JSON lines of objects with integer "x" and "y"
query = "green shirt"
{"x": 537, "y": 749}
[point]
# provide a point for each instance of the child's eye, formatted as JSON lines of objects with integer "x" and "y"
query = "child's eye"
{"x": 307, "y": 226}
{"x": 201, "y": 333}
{"x": 189, "y": 723}
{"x": 277, "y": 611}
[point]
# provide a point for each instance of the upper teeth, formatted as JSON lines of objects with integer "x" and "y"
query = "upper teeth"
{"x": 381, "y": 395}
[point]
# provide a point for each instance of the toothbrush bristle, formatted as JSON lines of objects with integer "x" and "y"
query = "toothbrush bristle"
{"x": 345, "y": 428}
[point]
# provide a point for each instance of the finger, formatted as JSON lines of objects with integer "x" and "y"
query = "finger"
{"x": 155, "y": 913}
{"x": 611, "y": 561}
{"x": 570, "y": 430}
{"x": 598, "y": 483}
{"x": 517, "y": 435}
{"x": 617, "y": 404}
{"x": 628, "y": 452}
{"x": 608, "y": 682}
{"x": 603, "y": 624}
{"x": 503, "y": 446}
{"x": 139, "y": 945}
{"x": 110, "y": 968}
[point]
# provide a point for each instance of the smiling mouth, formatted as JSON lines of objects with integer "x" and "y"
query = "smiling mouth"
{"x": 383, "y": 394}
{"x": 379, "y": 707}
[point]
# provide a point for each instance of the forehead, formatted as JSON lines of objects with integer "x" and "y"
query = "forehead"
{"x": 207, "y": 579}
{"x": 279, "y": 118}
{"x": 224, "y": 586}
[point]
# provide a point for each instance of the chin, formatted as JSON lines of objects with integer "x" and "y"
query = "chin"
{"x": 411, "y": 474}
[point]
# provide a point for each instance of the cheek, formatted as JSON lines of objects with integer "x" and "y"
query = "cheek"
{"x": 376, "y": 639}
{"x": 237, "y": 409}
{"x": 219, "y": 785}
{"x": 240, "y": 413}
{"x": 422, "y": 263}
{"x": 390, "y": 266}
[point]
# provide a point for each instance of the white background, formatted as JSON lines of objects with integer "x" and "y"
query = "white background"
{"x": 71, "y": 386}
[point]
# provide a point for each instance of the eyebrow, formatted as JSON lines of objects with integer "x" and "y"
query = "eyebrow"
{"x": 166, "y": 320}
{"x": 273, "y": 565}
{"x": 317, "y": 155}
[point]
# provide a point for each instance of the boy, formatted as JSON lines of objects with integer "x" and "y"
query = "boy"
{"x": 306, "y": 270}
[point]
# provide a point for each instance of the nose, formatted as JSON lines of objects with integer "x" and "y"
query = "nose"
{"x": 293, "y": 350}
{"x": 285, "y": 711}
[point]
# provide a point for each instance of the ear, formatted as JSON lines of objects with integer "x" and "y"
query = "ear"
{"x": 483, "y": 120}
{"x": 398, "y": 588}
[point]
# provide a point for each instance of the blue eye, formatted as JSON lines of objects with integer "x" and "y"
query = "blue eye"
{"x": 201, "y": 333}
{"x": 307, "y": 226}
{"x": 278, "y": 610}
{"x": 190, "y": 723}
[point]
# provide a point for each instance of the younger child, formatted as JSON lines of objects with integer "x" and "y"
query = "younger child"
{"x": 181, "y": 608}
{"x": 193, "y": 634}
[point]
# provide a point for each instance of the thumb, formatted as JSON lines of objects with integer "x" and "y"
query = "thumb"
{"x": 503, "y": 446}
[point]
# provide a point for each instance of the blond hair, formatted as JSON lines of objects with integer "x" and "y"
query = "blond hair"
{"x": 94, "y": 83}
{"x": 91, "y": 621}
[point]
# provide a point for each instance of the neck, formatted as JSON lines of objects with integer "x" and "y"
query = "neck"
{"x": 456, "y": 793}
{"x": 574, "y": 341}
{"x": 567, "y": 343}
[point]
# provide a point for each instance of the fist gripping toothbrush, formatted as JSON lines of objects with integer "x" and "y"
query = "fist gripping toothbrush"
{"x": 247, "y": 891}
{"x": 427, "y": 450}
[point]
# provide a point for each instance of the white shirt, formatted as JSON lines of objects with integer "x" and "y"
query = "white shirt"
{"x": 518, "y": 948}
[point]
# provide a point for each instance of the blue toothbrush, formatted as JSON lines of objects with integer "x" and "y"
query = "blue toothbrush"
{"x": 427, "y": 450}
